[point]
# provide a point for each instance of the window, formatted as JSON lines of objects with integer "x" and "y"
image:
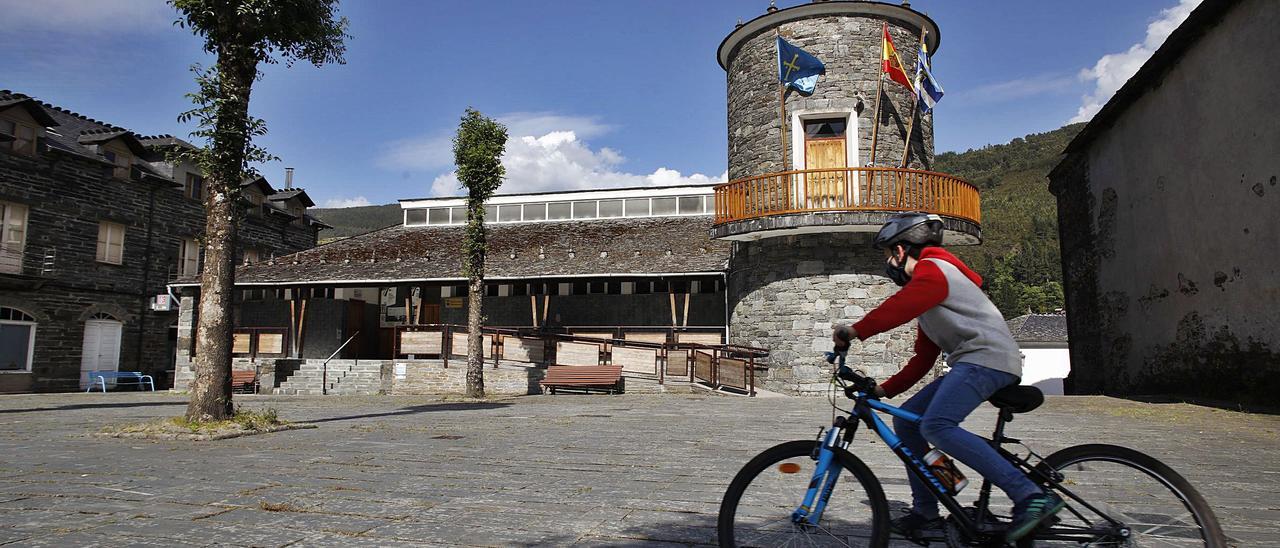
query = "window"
{"x": 438, "y": 216}
{"x": 535, "y": 212}
{"x": 17, "y": 339}
{"x": 123, "y": 161}
{"x": 637, "y": 207}
{"x": 251, "y": 256}
{"x": 558, "y": 211}
{"x": 826, "y": 128}
{"x": 690, "y": 205}
{"x": 110, "y": 242}
{"x": 584, "y": 210}
{"x": 13, "y": 236}
{"x": 610, "y": 208}
{"x": 194, "y": 188}
{"x": 188, "y": 257}
{"x": 255, "y": 201}
{"x": 415, "y": 217}
{"x": 459, "y": 216}
{"x": 664, "y": 206}
{"x": 508, "y": 213}
{"x": 24, "y": 137}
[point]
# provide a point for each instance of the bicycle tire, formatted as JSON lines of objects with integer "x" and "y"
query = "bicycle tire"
{"x": 877, "y": 537}
{"x": 1061, "y": 461}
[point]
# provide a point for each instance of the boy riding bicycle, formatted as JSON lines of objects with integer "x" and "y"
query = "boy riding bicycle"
{"x": 955, "y": 317}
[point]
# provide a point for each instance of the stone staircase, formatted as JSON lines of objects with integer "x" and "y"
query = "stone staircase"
{"x": 344, "y": 378}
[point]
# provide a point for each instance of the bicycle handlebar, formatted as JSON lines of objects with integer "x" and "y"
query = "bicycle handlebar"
{"x": 860, "y": 382}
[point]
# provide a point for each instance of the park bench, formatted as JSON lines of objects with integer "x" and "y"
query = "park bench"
{"x": 244, "y": 380}
{"x": 606, "y": 378}
{"x": 99, "y": 378}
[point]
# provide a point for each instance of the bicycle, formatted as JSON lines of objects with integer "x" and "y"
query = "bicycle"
{"x": 1115, "y": 496}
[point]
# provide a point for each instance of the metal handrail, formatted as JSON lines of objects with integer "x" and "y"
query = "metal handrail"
{"x": 846, "y": 189}
{"x": 324, "y": 374}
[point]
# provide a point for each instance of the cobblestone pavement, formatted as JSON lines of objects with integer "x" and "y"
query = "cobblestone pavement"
{"x": 535, "y": 470}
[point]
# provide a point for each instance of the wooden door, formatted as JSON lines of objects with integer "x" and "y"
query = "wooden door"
{"x": 824, "y": 148}
{"x": 101, "y": 349}
{"x": 355, "y": 323}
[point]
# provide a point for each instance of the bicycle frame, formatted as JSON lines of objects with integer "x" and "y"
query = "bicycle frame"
{"x": 824, "y": 478}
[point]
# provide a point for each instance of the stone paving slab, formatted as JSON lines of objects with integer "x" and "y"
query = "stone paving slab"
{"x": 529, "y": 471}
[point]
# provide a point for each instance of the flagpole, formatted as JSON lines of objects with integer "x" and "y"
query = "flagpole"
{"x": 782, "y": 100}
{"x": 875, "y": 121}
{"x": 915, "y": 105}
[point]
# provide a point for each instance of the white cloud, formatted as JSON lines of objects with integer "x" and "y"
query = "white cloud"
{"x": 1114, "y": 69}
{"x": 81, "y": 16}
{"x": 1020, "y": 87}
{"x": 545, "y": 152}
{"x": 347, "y": 202}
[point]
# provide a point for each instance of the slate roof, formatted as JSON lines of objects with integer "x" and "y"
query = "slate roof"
{"x": 1041, "y": 328}
{"x": 72, "y": 132}
{"x": 290, "y": 193}
{"x": 643, "y": 246}
{"x": 165, "y": 140}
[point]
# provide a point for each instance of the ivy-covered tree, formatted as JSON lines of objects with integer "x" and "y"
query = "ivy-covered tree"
{"x": 242, "y": 34}
{"x": 477, "y": 151}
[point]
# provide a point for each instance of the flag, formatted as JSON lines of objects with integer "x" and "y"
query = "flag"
{"x": 797, "y": 68}
{"x": 889, "y": 61}
{"x": 928, "y": 91}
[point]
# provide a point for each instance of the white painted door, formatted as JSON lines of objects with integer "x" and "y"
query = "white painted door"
{"x": 101, "y": 349}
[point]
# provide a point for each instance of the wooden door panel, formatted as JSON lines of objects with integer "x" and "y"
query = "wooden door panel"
{"x": 827, "y": 188}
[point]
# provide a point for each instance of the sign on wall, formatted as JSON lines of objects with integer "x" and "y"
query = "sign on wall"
{"x": 454, "y": 302}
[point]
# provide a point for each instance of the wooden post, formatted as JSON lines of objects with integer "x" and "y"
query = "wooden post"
{"x": 782, "y": 108}
{"x": 302, "y": 322}
{"x": 875, "y": 122}
{"x": 293, "y": 328}
{"x": 533, "y": 309}
{"x": 672, "y": 296}
{"x": 686, "y": 310}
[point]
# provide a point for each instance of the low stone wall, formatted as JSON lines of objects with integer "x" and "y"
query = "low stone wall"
{"x": 184, "y": 375}
{"x": 431, "y": 377}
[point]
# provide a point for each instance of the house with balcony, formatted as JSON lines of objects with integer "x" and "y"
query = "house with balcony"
{"x": 96, "y": 222}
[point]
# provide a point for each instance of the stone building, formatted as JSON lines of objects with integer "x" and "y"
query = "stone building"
{"x": 96, "y": 222}
{"x": 1167, "y": 208}
{"x": 801, "y": 231}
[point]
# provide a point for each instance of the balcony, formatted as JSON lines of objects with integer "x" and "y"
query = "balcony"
{"x": 855, "y": 199}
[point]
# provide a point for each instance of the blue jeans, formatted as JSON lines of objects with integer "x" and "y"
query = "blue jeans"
{"x": 943, "y": 405}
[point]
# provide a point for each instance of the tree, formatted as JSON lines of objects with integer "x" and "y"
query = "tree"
{"x": 241, "y": 34}
{"x": 477, "y": 151}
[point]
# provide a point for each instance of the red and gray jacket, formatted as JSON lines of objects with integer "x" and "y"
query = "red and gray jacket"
{"x": 955, "y": 316}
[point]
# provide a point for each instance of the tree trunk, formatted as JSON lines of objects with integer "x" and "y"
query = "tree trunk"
{"x": 475, "y": 339}
{"x": 211, "y": 391}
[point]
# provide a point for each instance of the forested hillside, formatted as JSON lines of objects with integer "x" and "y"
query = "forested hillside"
{"x": 352, "y": 221}
{"x": 1019, "y": 255}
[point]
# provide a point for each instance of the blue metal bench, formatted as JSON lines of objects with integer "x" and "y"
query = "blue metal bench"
{"x": 99, "y": 378}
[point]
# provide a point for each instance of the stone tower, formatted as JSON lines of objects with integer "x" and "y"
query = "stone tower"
{"x": 802, "y": 259}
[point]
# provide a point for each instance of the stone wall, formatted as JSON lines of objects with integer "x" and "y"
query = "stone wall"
{"x": 68, "y": 196}
{"x": 850, "y": 48}
{"x": 786, "y": 293}
{"x": 1168, "y": 219}
{"x": 431, "y": 377}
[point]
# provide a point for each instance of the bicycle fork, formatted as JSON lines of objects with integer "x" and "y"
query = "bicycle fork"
{"x": 823, "y": 482}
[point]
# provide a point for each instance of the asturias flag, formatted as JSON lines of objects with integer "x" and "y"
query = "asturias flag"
{"x": 927, "y": 89}
{"x": 797, "y": 68}
{"x": 889, "y": 61}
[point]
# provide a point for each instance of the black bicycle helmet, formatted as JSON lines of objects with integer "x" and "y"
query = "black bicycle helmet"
{"x": 913, "y": 229}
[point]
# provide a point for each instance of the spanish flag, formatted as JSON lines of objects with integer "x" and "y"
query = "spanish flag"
{"x": 889, "y": 61}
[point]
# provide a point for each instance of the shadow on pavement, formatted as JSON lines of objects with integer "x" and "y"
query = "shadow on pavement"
{"x": 428, "y": 408}
{"x": 77, "y": 406}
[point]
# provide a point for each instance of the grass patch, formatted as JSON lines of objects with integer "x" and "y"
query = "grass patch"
{"x": 243, "y": 422}
{"x": 278, "y": 507}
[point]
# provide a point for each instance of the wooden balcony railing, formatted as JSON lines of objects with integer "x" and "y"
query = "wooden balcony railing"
{"x": 846, "y": 189}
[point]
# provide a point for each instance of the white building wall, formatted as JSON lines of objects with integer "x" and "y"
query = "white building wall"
{"x": 1045, "y": 368}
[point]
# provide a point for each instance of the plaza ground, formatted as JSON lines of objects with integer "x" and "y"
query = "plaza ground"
{"x": 534, "y": 470}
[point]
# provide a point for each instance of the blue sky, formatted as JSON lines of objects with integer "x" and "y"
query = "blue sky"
{"x": 596, "y": 93}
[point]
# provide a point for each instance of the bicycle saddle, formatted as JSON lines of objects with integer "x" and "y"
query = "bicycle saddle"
{"x": 1017, "y": 399}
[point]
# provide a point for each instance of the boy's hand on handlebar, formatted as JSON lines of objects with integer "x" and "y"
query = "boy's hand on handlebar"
{"x": 841, "y": 336}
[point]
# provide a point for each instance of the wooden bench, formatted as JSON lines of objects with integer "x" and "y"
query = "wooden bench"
{"x": 606, "y": 378}
{"x": 99, "y": 378}
{"x": 244, "y": 380}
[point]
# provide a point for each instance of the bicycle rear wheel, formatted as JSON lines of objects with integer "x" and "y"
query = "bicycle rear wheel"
{"x": 757, "y": 507}
{"x": 1156, "y": 505}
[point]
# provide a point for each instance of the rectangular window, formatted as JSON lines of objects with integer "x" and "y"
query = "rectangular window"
{"x": 504, "y": 290}
{"x": 13, "y": 236}
{"x": 610, "y": 208}
{"x": 415, "y": 217}
{"x": 24, "y": 137}
{"x": 110, "y": 242}
{"x": 194, "y": 188}
{"x": 535, "y": 212}
{"x": 664, "y": 206}
{"x": 628, "y": 288}
{"x": 596, "y": 288}
{"x": 690, "y": 205}
{"x": 188, "y": 257}
{"x": 579, "y": 288}
{"x": 637, "y": 207}
{"x": 251, "y": 256}
{"x": 584, "y": 210}
{"x": 614, "y": 288}
{"x": 559, "y": 211}
{"x": 255, "y": 202}
{"x": 438, "y": 216}
{"x": 459, "y": 215}
{"x": 509, "y": 213}
{"x": 122, "y": 160}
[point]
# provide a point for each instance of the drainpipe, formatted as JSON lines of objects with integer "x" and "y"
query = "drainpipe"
{"x": 146, "y": 276}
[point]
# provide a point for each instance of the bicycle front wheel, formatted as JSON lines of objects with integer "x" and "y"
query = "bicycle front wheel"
{"x": 758, "y": 505}
{"x": 1154, "y": 505}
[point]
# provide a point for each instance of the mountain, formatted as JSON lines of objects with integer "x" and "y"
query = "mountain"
{"x": 1019, "y": 256}
{"x": 353, "y": 221}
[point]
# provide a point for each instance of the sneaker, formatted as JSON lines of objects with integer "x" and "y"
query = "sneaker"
{"x": 913, "y": 525}
{"x": 1031, "y": 513}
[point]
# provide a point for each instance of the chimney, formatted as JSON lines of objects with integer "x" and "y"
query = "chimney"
{"x": 288, "y": 178}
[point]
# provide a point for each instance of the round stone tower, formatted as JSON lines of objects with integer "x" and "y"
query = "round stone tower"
{"x": 802, "y": 259}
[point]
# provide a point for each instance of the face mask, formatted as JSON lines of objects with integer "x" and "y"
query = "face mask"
{"x": 897, "y": 273}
